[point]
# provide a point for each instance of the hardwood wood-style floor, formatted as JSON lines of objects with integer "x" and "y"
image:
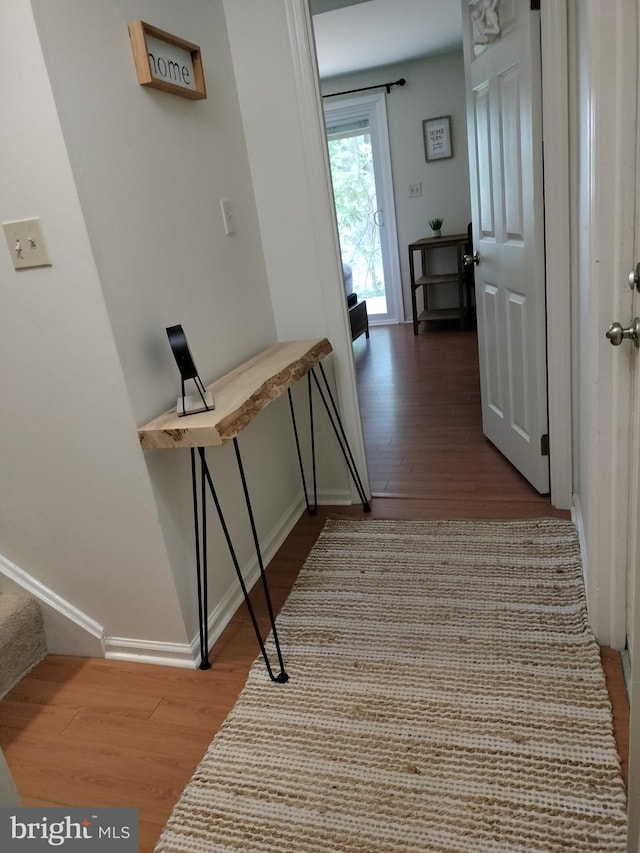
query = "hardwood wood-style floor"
{"x": 420, "y": 403}
{"x": 79, "y": 732}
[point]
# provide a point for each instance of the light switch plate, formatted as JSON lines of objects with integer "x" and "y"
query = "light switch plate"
{"x": 26, "y": 243}
{"x": 228, "y": 217}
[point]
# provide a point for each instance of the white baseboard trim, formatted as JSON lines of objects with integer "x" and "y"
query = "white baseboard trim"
{"x": 187, "y": 655}
{"x": 150, "y": 651}
{"x": 343, "y": 497}
{"x": 50, "y": 598}
{"x": 577, "y": 518}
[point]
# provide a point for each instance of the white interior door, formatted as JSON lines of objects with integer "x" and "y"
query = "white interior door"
{"x": 502, "y": 67}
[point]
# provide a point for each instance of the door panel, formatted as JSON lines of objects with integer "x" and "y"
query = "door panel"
{"x": 490, "y": 354}
{"x": 483, "y": 146}
{"x": 516, "y": 335}
{"x": 505, "y": 163}
{"x": 509, "y": 112}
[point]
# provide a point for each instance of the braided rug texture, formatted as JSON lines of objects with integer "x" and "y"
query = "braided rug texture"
{"x": 445, "y": 695}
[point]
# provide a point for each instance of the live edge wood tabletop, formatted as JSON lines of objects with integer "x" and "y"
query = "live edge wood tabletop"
{"x": 239, "y": 396}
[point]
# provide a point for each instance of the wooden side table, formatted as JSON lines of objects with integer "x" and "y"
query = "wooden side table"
{"x": 239, "y": 397}
{"x": 427, "y": 247}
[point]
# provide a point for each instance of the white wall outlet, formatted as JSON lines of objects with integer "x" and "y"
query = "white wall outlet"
{"x": 415, "y": 190}
{"x": 228, "y": 217}
{"x": 26, "y": 243}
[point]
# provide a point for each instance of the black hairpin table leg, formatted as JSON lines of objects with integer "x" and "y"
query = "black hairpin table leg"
{"x": 201, "y": 564}
{"x": 312, "y": 430}
{"x": 336, "y": 423}
{"x": 282, "y": 676}
{"x": 311, "y": 509}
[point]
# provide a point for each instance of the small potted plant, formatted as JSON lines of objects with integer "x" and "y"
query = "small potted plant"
{"x": 436, "y": 226}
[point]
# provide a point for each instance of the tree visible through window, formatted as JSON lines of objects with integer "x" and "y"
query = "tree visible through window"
{"x": 356, "y": 205}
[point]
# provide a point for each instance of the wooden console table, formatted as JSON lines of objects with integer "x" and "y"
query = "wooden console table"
{"x": 426, "y": 247}
{"x": 239, "y": 396}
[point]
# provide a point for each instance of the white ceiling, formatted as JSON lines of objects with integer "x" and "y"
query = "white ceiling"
{"x": 361, "y": 35}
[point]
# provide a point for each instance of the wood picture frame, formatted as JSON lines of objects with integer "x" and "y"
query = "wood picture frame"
{"x": 437, "y": 138}
{"x": 167, "y": 62}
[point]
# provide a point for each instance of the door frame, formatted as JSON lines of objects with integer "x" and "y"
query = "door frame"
{"x": 603, "y": 235}
{"x": 374, "y": 107}
{"x": 555, "y": 118}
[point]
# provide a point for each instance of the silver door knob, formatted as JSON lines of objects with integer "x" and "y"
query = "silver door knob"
{"x": 634, "y": 278}
{"x": 468, "y": 260}
{"x": 616, "y": 334}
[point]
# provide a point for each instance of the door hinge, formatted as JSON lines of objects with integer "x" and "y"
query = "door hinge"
{"x": 535, "y": 5}
{"x": 544, "y": 444}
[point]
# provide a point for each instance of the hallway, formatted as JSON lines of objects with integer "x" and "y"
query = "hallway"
{"x": 78, "y": 731}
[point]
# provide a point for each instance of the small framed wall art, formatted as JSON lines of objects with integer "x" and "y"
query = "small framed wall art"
{"x": 166, "y": 62}
{"x": 437, "y": 138}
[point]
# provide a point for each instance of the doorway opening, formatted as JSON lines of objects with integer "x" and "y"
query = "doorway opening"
{"x": 443, "y": 193}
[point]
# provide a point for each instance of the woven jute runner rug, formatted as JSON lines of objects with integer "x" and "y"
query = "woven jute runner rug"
{"x": 445, "y": 694}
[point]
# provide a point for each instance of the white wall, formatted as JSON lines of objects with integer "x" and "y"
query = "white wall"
{"x": 127, "y": 181}
{"x": 274, "y": 70}
{"x": 76, "y": 507}
{"x": 434, "y": 87}
{"x": 151, "y": 169}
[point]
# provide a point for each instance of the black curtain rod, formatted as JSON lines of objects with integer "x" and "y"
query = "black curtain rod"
{"x": 386, "y": 86}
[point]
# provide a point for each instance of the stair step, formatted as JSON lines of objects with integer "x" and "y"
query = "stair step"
{"x": 22, "y": 639}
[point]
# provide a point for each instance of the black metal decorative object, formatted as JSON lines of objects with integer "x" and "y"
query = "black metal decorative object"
{"x": 187, "y": 368}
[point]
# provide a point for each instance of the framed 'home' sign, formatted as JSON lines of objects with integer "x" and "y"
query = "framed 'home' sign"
{"x": 167, "y": 62}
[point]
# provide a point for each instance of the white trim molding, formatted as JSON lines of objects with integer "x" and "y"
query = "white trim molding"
{"x": 50, "y": 598}
{"x": 608, "y": 129}
{"x": 578, "y": 520}
{"x": 150, "y": 652}
{"x": 555, "y": 118}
